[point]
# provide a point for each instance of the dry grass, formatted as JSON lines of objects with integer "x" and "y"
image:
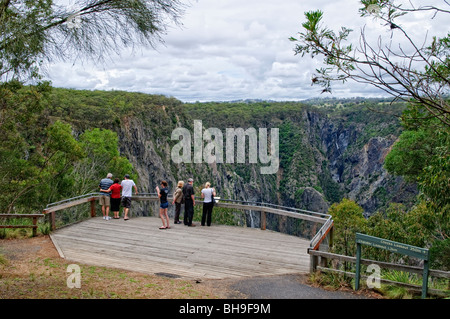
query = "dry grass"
{"x": 32, "y": 268}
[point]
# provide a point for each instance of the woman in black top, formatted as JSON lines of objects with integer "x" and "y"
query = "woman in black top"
{"x": 162, "y": 194}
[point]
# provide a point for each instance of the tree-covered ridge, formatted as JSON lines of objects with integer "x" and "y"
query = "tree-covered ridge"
{"x": 106, "y": 108}
{"x": 42, "y": 160}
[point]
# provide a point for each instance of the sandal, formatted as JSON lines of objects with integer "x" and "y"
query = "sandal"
{"x": 162, "y": 227}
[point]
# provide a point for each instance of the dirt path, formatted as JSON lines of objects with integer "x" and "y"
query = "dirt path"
{"x": 32, "y": 268}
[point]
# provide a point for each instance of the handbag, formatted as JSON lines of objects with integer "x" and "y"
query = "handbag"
{"x": 213, "y": 200}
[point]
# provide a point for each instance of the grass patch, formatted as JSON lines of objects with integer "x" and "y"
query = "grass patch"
{"x": 3, "y": 260}
{"x": 336, "y": 281}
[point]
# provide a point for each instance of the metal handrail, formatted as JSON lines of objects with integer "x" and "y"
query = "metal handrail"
{"x": 255, "y": 205}
{"x": 277, "y": 206}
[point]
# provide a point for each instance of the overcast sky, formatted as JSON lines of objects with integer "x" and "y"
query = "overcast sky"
{"x": 230, "y": 50}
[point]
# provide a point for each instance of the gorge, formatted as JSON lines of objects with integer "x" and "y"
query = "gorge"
{"x": 328, "y": 149}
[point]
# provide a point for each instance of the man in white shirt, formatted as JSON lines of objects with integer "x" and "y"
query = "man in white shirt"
{"x": 127, "y": 186}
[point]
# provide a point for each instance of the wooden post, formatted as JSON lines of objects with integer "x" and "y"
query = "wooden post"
{"x": 263, "y": 220}
{"x": 93, "y": 213}
{"x": 312, "y": 262}
{"x": 52, "y": 221}
{"x": 331, "y": 234}
{"x": 323, "y": 262}
{"x": 34, "y": 226}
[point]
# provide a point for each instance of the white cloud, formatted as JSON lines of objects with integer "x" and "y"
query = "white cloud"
{"x": 228, "y": 49}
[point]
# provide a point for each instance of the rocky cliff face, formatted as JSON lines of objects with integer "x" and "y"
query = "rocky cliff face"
{"x": 333, "y": 157}
{"x": 356, "y": 165}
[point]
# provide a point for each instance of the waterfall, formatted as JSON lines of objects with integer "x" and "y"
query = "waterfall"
{"x": 252, "y": 222}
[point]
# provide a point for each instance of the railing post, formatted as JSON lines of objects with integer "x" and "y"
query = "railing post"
{"x": 263, "y": 220}
{"x": 52, "y": 221}
{"x": 34, "y": 226}
{"x": 93, "y": 213}
{"x": 323, "y": 262}
{"x": 331, "y": 234}
{"x": 312, "y": 262}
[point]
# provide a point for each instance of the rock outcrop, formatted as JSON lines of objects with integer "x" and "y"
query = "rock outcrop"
{"x": 339, "y": 164}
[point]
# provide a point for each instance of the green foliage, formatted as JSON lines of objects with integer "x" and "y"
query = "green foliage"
{"x": 244, "y": 114}
{"x": 331, "y": 280}
{"x": 421, "y": 74}
{"x": 221, "y": 216}
{"x": 34, "y": 151}
{"x": 331, "y": 189}
{"x": 419, "y": 226}
{"x": 422, "y": 154}
{"x": 440, "y": 254}
{"x": 103, "y": 157}
{"x": 290, "y": 143}
{"x": 410, "y": 154}
{"x": 32, "y": 32}
{"x": 41, "y": 161}
{"x": 348, "y": 220}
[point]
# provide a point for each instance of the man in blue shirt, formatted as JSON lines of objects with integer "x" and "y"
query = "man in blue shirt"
{"x": 105, "y": 198}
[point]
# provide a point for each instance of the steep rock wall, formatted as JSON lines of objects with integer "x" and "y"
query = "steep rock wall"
{"x": 337, "y": 162}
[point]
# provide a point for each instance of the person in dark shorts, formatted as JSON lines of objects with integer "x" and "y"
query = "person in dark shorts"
{"x": 189, "y": 202}
{"x": 114, "y": 191}
{"x": 127, "y": 186}
{"x": 164, "y": 204}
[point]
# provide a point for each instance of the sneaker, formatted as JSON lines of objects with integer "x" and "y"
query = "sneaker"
{"x": 108, "y": 218}
{"x": 104, "y": 217}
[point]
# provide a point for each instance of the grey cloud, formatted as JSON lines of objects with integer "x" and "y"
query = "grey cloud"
{"x": 226, "y": 50}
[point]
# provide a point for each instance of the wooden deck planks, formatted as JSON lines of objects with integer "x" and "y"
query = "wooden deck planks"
{"x": 214, "y": 252}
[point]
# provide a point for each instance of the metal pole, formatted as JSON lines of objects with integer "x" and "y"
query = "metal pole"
{"x": 425, "y": 279}
{"x": 358, "y": 265}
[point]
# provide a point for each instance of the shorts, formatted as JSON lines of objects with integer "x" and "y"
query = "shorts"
{"x": 115, "y": 204}
{"x": 164, "y": 205}
{"x": 105, "y": 200}
{"x": 126, "y": 202}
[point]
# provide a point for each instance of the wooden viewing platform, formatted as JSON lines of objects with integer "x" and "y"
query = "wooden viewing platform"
{"x": 215, "y": 252}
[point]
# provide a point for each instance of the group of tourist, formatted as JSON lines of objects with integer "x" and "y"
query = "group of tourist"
{"x": 114, "y": 193}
